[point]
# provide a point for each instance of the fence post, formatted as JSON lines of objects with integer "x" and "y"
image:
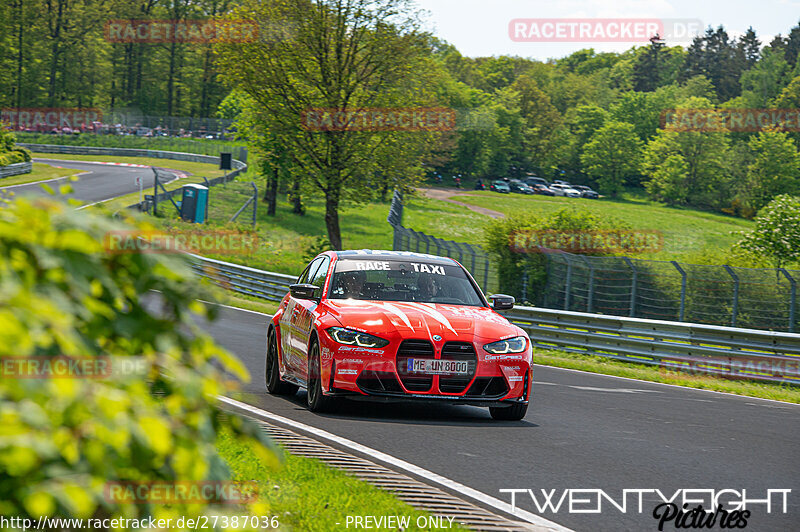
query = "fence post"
{"x": 683, "y": 288}
{"x": 735, "y": 309}
{"x": 155, "y": 191}
{"x": 792, "y": 296}
{"x": 568, "y": 286}
{"x": 591, "y": 283}
{"x": 525, "y": 282}
{"x": 255, "y": 202}
{"x": 633, "y": 286}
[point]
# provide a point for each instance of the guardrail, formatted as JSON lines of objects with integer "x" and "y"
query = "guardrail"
{"x": 250, "y": 281}
{"x": 16, "y": 169}
{"x": 725, "y": 351}
{"x": 128, "y": 152}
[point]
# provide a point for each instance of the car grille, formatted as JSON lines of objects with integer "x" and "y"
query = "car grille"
{"x": 378, "y": 382}
{"x": 414, "y": 349}
{"x": 488, "y": 387}
{"x": 458, "y": 351}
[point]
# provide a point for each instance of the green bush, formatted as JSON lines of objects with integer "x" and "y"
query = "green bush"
{"x": 63, "y": 439}
{"x": 514, "y": 266}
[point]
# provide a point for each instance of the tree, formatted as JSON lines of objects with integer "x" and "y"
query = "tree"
{"x": 339, "y": 55}
{"x": 612, "y": 155}
{"x": 749, "y": 47}
{"x": 541, "y": 118}
{"x": 767, "y": 78}
{"x": 698, "y": 164}
{"x": 647, "y": 73}
{"x": 775, "y": 169}
{"x": 776, "y": 237}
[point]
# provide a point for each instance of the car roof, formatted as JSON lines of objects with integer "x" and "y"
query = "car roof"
{"x": 382, "y": 254}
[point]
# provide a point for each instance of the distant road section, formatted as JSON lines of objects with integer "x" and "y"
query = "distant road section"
{"x": 100, "y": 182}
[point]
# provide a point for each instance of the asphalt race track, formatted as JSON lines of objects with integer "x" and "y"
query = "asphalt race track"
{"x": 583, "y": 431}
{"x": 101, "y": 182}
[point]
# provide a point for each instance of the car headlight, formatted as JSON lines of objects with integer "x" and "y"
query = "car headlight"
{"x": 512, "y": 345}
{"x": 351, "y": 337}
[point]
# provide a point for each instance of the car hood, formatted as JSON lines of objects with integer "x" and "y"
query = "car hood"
{"x": 423, "y": 320}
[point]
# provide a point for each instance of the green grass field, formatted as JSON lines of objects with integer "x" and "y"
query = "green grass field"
{"x": 41, "y": 172}
{"x": 686, "y": 232}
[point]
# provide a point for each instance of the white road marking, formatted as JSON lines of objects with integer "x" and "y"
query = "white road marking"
{"x": 685, "y": 388}
{"x": 397, "y": 463}
{"x": 618, "y": 390}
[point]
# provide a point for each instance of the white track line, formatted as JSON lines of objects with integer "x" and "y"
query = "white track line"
{"x": 46, "y": 180}
{"x": 397, "y": 463}
{"x": 642, "y": 381}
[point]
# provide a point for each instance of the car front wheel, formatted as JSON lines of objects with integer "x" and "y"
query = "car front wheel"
{"x": 317, "y": 401}
{"x": 509, "y": 413}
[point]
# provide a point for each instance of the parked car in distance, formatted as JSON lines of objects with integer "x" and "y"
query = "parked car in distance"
{"x": 560, "y": 182}
{"x": 542, "y": 189}
{"x": 519, "y": 187}
{"x": 530, "y": 181}
{"x": 586, "y": 192}
{"x": 500, "y": 186}
{"x": 565, "y": 190}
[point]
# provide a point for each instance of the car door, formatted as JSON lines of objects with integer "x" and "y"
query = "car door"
{"x": 286, "y": 323}
{"x": 302, "y": 318}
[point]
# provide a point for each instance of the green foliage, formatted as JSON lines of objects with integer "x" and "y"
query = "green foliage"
{"x": 513, "y": 265}
{"x": 775, "y": 168}
{"x": 344, "y": 56}
{"x": 612, "y": 155}
{"x": 776, "y": 237}
{"x": 62, "y": 439}
{"x": 688, "y": 167}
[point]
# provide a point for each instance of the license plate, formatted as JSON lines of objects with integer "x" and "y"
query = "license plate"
{"x": 438, "y": 367}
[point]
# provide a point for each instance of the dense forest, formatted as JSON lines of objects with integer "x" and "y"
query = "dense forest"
{"x": 593, "y": 118}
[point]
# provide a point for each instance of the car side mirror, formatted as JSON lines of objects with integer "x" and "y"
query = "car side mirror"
{"x": 303, "y": 291}
{"x": 501, "y": 302}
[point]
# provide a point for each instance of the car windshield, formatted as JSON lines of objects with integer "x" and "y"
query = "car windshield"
{"x": 413, "y": 280}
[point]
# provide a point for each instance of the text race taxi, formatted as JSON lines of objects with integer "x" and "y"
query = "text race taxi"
{"x": 390, "y": 325}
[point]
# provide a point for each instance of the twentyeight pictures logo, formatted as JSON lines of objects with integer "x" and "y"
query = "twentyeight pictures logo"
{"x": 683, "y": 508}
{"x": 624, "y": 30}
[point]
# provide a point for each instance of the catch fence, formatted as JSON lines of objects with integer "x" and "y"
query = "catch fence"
{"x": 757, "y": 298}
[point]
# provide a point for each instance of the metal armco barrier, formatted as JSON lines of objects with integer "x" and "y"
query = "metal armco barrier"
{"x": 250, "y": 281}
{"x": 128, "y": 152}
{"x": 725, "y": 351}
{"x": 15, "y": 169}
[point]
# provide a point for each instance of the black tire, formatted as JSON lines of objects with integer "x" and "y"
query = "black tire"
{"x": 514, "y": 412}
{"x": 317, "y": 402}
{"x": 275, "y": 385}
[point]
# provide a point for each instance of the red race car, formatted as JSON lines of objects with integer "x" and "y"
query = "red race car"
{"x": 394, "y": 325}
